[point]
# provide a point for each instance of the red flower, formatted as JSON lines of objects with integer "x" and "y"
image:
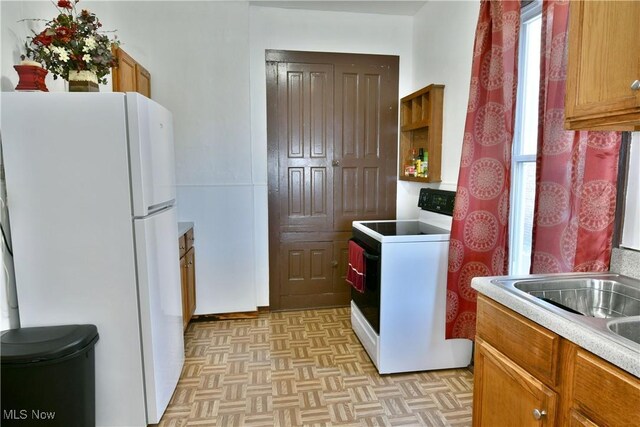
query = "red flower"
{"x": 43, "y": 39}
{"x": 64, "y": 34}
{"x": 65, "y": 4}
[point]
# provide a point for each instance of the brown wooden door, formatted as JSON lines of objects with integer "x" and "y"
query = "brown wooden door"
{"x": 332, "y": 141}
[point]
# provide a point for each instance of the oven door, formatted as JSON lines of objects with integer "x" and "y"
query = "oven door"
{"x": 369, "y": 301}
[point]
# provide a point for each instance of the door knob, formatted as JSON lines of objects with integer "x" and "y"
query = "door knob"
{"x": 537, "y": 413}
{"x": 334, "y": 263}
{"x": 335, "y": 163}
{"x": 635, "y": 85}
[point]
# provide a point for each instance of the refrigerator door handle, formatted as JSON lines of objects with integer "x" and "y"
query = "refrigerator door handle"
{"x": 160, "y": 207}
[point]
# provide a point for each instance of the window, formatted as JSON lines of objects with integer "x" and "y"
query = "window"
{"x": 525, "y": 141}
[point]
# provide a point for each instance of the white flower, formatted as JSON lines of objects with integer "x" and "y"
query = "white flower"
{"x": 61, "y": 52}
{"x": 89, "y": 44}
{"x": 45, "y": 49}
{"x": 86, "y": 57}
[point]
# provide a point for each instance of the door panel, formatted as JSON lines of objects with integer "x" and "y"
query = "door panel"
{"x": 332, "y": 137}
{"x": 366, "y": 143}
{"x": 305, "y": 94}
{"x": 307, "y": 267}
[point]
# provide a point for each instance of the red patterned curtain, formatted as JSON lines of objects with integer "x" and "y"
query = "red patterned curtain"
{"x": 576, "y": 171}
{"x": 479, "y": 232}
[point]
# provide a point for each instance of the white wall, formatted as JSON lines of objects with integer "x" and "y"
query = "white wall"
{"x": 443, "y": 34}
{"x": 290, "y": 29}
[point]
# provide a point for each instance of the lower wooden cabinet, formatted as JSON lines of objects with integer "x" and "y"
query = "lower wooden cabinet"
{"x": 190, "y": 286}
{"x": 187, "y": 276}
{"x": 504, "y": 394}
{"x": 558, "y": 383}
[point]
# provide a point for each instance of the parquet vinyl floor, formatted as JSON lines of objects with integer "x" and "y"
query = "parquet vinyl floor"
{"x": 304, "y": 368}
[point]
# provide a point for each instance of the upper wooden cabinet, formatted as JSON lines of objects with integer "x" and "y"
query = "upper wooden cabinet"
{"x": 603, "y": 70}
{"x": 129, "y": 75}
{"x": 421, "y": 128}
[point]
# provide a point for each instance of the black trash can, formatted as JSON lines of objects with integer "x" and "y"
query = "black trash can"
{"x": 48, "y": 376}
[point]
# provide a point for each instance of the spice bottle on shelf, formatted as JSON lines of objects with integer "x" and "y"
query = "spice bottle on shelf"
{"x": 410, "y": 165}
{"x": 424, "y": 166}
{"x": 418, "y": 162}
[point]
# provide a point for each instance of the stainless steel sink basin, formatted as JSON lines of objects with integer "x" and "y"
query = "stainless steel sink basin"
{"x": 627, "y": 328}
{"x": 593, "y": 297}
{"x": 607, "y": 304}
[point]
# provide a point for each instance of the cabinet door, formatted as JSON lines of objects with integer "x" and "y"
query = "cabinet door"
{"x": 507, "y": 395}
{"x": 143, "y": 81}
{"x": 124, "y": 75}
{"x": 183, "y": 282}
{"x": 604, "y": 62}
{"x": 191, "y": 282}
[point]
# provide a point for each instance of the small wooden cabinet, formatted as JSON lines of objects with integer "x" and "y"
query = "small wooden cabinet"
{"x": 187, "y": 275}
{"x": 527, "y": 375}
{"x": 507, "y": 395}
{"x": 421, "y": 128}
{"x": 129, "y": 75}
{"x": 603, "y": 70}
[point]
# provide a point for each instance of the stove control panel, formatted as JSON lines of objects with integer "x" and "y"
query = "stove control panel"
{"x": 439, "y": 201}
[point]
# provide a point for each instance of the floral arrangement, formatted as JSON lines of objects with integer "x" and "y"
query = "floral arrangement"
{"x": 72, "y": 44}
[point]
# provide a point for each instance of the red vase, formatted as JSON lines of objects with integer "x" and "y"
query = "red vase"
{"x": 31, "y": 78}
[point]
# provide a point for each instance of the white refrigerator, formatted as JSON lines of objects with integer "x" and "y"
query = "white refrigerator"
{"x": 91, "y": 194}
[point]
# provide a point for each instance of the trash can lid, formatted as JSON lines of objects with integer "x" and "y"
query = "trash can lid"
{"x": 29, "y": 345}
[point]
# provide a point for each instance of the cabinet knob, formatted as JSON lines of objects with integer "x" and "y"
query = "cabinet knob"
{"x": 635, "y": 85}
{"x": 334, "y": 263}
{"x": 537, "y": 413}
{"x": 181, "y": 247}
{"x": 335, "y": 163}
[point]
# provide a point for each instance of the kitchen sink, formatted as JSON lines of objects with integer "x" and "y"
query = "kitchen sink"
{"x": 594, "y": 297}
{"x": 606, "y": 303}
{"x": 627, "y": 328}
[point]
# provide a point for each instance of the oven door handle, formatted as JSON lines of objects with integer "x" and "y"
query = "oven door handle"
{"x": 371, "y": 257}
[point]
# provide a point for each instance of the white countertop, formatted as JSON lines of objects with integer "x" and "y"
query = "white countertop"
{"x": 183, "y": 227}
{"x": 622, "y": 356}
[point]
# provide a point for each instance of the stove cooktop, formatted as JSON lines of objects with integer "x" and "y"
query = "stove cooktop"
{"x": 404, "y": 228}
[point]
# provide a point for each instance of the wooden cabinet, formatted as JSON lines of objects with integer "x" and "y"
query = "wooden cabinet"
{"x": 504, "y": 394}
{"x": 604, "y": 393}
{"x": 421, "y": 128}
{"x": 187, "y": 275}
{"x": 603, "y": 70}
{"x": 528, "y": 375}
{"x": 129, "y": 75}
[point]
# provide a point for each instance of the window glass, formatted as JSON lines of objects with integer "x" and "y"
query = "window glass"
{"x": 525, "y": 142}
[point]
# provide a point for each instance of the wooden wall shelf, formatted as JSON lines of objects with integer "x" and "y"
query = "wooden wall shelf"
{"x": 421, "y": 127}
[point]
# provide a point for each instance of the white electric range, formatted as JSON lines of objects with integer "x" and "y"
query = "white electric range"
{"x": 400, "y": 317}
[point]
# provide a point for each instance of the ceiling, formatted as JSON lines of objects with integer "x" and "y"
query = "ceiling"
{"x": 407, "y": 8}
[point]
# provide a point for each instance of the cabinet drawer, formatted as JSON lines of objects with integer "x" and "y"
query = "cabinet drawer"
{"x": 189, "y": 239}
{"x": 531, "y": 346}
{"x": 182, "y": 245}
{"x": 605, "y": 393}
{"x": 576, "y": 419}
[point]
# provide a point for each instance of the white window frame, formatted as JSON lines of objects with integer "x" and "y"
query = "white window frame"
{"x": 518, "y": 160}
